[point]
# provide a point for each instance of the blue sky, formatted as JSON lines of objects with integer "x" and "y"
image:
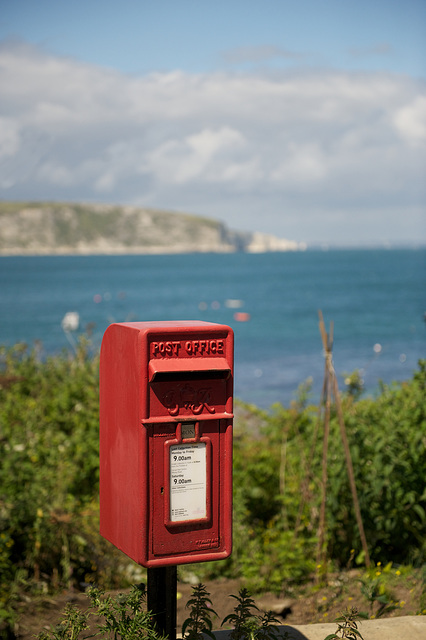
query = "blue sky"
{"x": 305, "y": 119}
{"x": 134, "y": 36}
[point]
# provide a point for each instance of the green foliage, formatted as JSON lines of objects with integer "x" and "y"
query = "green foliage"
{"x": 274, "y": 539}
{"x": 49, "y": 473}
{"x": 247, "y": 625}
{"x": 347, "y": 626}
{"x": 277, "y": 485}
{"x": 376, "y": 593}
{"x": 387, "y": 438}
{"x": 49, "y": 481}
{"x": 199, "y": 620}
{"x": 375, "y": 589}
{"x": 49, "y": 452}
{"x": 117, "y": 618}
{"x": 72, "y": 624}
{"x": 123, "y": 616}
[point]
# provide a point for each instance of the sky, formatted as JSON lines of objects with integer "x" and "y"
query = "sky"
{"x": 305, "y": 119}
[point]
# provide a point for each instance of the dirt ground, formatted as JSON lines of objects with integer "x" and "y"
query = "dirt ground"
{"x": 304, "y": 606}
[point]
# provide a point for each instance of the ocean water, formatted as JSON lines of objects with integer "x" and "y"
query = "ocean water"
{"x": 376, "y": 300}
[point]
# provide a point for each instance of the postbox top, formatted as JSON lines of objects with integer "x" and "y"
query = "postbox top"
{"x": 173, "y": 325}
{"x": 172, "y": 347}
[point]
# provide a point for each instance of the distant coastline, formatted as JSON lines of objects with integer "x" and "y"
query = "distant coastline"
{"x": 51, "y": 228}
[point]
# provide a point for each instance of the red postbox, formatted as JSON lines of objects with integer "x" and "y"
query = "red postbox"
{"x": 166, "y": 413}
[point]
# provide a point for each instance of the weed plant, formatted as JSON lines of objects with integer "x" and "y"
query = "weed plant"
{"x": 347, "y": 626}
{"x": 124, "y": 618}
{"x": 247, "y": 624}
{"x": 199, "y": 620}
{"x": 117, "y": 618}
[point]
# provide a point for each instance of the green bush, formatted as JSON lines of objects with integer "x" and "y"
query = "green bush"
{"x": 274, "y": 541}
{"x": 49, "y": 481}
{"x": 49, "y": 452}
{"x": 277, "y": 478}
{"x": 49, "y": 508}
{"x": 387, "y": 438}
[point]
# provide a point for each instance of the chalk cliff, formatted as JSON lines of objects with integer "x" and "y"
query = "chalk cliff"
{"x": 47, "y": 228}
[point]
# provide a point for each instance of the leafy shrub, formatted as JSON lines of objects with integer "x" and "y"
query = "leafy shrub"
{"x": 122, "y": 617}
{"x": 49, "y": 481}
{"x": 387, "y": 436}
{"x": 347, "y": 626}
{"x": 49, "y": 474}
{"x": 49, "y": 452}
{"x": 199, "y": 620}
{"x": 247, "y": 624}
{"x": 277, "y": 484}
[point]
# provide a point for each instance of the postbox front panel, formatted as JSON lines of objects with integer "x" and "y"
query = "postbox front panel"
{"x": 166, "y": 441}
{"x": 186, "y": 488}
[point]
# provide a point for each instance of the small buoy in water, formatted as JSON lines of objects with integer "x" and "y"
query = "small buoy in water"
{"x": 70, "y": 321}
{"x": 241, "y": 316}
{"x": 233, "y": 303}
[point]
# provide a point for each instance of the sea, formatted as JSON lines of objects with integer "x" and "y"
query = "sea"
{"x": 372, "y": 300}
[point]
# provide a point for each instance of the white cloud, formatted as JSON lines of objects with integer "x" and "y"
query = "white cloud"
{"x": 410, "y": 121}
{"x": 9, "y": 137}
{"x": 55, "y": 174}
{"x": 274, "y": 152}
{"x": 198, "y": 156}
{"x": 304, "y": 164}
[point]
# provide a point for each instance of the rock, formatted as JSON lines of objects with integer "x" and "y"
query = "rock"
{"x": 279, "y": 607}
{"x": 66, "y": 228}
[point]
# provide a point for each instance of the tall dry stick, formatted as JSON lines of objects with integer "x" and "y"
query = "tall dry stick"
{"x": 332, "y": 380}
{"x": 327, "y": 344}
{"x": 308, "y": 475}
{"x": 321, "y": 551}
{"x": 350, "y": 469}
{"x": 283, "y": 464}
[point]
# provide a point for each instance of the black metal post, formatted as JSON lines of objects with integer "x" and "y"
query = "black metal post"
{"x": 162, "y": 596}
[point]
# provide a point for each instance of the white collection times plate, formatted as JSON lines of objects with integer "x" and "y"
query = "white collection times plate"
{"x": 188, "y": 482}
